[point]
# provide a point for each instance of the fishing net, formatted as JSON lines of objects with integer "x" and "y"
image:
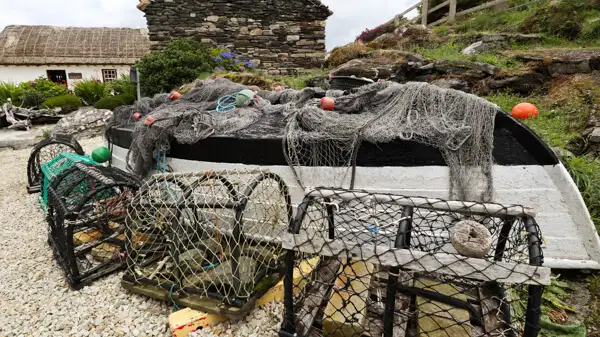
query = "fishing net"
{"x": 459, "y": 125}
{"x": 364, "y": 264}
{"x": 86, "y": 213}
{"x": 209, "y": 241}
{"x": 45, "y": 151}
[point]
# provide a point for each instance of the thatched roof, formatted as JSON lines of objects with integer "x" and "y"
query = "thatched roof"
{"x": 33, "y": 45}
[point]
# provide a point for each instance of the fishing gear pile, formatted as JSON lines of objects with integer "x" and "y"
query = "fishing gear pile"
{"x": 460, "y": 125}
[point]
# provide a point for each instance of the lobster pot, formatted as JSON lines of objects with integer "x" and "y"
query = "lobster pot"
{"x": 364, "y": 264}
{"x": 86, "y": 213}
{"x": 210, "y": 241}
{"x": 45, "y": 151}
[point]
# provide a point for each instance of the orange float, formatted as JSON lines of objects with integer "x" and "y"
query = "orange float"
{"x": 525, "y": 111}
{"x": 149, "y": 120}
{"x": 175, "y": 95}
{"x": 327, "y": 103}
{"x": 137, "y": 116}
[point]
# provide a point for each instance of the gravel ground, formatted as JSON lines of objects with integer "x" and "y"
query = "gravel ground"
{"x": 36, "y": 301}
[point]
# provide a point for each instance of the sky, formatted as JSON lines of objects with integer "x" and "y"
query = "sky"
{"x": 349, "y": 19}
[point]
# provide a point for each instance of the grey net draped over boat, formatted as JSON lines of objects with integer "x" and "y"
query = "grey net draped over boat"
{"x": 460, "y": 125}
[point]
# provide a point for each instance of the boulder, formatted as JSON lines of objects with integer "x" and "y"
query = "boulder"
{"x": 476, "y": 70}
{"x": 367, "y": 68}
{"x": 478, "y": 47}
{"x": 594, "y": 136}
{"x": 570, "y": 67}
{"x": 453, "y": 83}
{"x": 522, "y": 84}
{"x": 86, "y": 122}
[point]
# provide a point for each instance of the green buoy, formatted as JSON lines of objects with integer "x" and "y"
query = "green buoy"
{"x": 101, "y": 154}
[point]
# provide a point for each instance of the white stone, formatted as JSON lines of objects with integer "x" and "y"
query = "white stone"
{"x": 193, "y": 15}
{"x": 595, "y": 136}
{"x": 212, "y": 18}
{"x": 294, "y": 29}
{"x": 293, "y": 37}
{"x": 476, "y": 48}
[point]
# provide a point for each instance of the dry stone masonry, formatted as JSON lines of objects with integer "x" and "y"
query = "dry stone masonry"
{"x": 279, "y": 36}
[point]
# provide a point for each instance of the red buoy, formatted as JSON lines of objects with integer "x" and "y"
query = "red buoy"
{"x": 137, "y": 116}
{"x": 278, "y": 88}
{"x": 327, "y": 103}
{"x": 149, "y": 120}
{"x": 525, "y": 111}
{"x": 174, "y": 95}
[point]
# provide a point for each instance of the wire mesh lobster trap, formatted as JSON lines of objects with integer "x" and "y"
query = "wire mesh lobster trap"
{"x": 86, "y": 213}
{"x": 397, "y": 266}
{"x": 45, "y": 151}
{"x": 210, "y": 241}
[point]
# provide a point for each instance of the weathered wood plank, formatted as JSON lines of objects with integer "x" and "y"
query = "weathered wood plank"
{"x": 441, "y": 263}
{"x": 317, "y": 294}
{"x": 424, "y": 12}
{"x": 452, "y": 11}
{"x": 490, "y": 309}
{"x": 469, "y": 207}
{"x": 481, "y": 7}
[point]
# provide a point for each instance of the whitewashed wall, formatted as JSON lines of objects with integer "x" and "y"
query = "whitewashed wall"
{"x": 28, "y": 73}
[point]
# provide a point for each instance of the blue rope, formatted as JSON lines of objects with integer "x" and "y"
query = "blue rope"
{"x": 161, "y": 162}
{"x": 227, "y": 103}
{"x": 175, "y": 306}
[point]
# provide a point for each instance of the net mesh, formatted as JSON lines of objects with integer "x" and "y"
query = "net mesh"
{"x": 363, "y": 264}
{"x": 45, "y": 151}
{"x": 86, "y": 212}
{"x": 55, "y": 167}
{"x": 460, "y": 125}
{"x": 207, "y": 236}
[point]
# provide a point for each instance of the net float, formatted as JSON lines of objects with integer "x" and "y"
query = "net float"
{"x": 327, "y": 103}
{"x": 174, "y": 95}
{"x": 525, "y": 111}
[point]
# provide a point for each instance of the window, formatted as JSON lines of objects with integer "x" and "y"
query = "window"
{"x": 109, "y": 75}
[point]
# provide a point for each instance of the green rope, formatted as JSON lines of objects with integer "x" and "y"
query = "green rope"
{"x": 175, "y": 306}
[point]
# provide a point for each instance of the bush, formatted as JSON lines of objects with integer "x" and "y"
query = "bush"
{"x": 67, "y": 103}
{"x": 112, "y": 102}
{"x": 90, "y": 91}
{"x": 343, "y": 54}
{"x": 182, "y": 61}
{"x": 121, "y": 86}
{"x": 37, "y": 91}
{"x": 224, "y": 60}
{"x": 561, "y": 19}
{"x": 12, "y": 91}
{"x": 369, "y": 35}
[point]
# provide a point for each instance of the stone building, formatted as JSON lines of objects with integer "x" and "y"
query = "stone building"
{"x": 279, "y": 36}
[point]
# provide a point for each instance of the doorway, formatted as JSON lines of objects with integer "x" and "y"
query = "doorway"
{"x": 57, "y": 76}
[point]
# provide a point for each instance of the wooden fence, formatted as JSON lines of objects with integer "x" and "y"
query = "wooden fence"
{"x": 452, "y": 14}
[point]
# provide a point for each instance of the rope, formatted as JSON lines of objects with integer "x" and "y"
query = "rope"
{"x": 175, "y": 306}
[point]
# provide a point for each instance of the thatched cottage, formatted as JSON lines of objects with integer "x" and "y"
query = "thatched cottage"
{"x": 280, "y": 36}
{"x": 67, "y": 54}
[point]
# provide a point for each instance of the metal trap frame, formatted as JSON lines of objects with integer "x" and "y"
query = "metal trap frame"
{"x": 390, "y": 265}
{"x": 209, "y": 241}
{"x": 45, "y": 151}
{"x": 86, "y": 212}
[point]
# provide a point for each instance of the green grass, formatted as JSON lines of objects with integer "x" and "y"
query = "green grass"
{"x": 451, "y": 51}
{"x": 494, "y": 22}
{"x": 299, "y": 81}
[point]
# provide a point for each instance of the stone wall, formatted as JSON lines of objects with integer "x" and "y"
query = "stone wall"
{"x": 279, "y": 36}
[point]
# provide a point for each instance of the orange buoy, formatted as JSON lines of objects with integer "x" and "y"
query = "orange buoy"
{"x": 278, "y": 88}
{"x": 149, "y": 120}
{"x": 137, "y": 116}
{"x": 524, "y": 111}
{"x": 174, "y": 95}
{"x": 327, "y": 103}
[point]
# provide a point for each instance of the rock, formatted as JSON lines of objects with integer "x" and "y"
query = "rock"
{"x": 478, "y": 47}
{"x": 453, "y": 83}
{"x": 416, "y": 35}
{"x": 212, "y": 18}
{"x": 570, "y": 67}
{"x": 471, "y": 69}
{"x": 522, "y": 84}
{"x": 367, "y": 68}
{"x": 86, "y": 122}
{"x": 256, "y": 32}
{"x": 318, "y": 82}
{"x": 594, "y": 136}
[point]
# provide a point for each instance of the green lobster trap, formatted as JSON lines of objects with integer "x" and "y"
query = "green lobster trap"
{"x": 55, "y": 167}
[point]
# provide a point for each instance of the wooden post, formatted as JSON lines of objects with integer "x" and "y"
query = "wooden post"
{"x": 424, "y": 12}
{"x": 452, "y": 11}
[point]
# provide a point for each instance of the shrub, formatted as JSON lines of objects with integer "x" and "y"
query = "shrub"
{"x": 343, "y": 54}
{"x": 562, "y": 19}
{"x": 90, "y": 91}
{"x": 182, "y": 61}
{"x": 221, "y": 59}
{"x": 120, "y": 86}
{"x": 369, "y": 35}
{"x": 12, "y": 91}
{"x": 112, "y": 102}
{"x": 67, "y": 103}
{"x": 37, "y": 91}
